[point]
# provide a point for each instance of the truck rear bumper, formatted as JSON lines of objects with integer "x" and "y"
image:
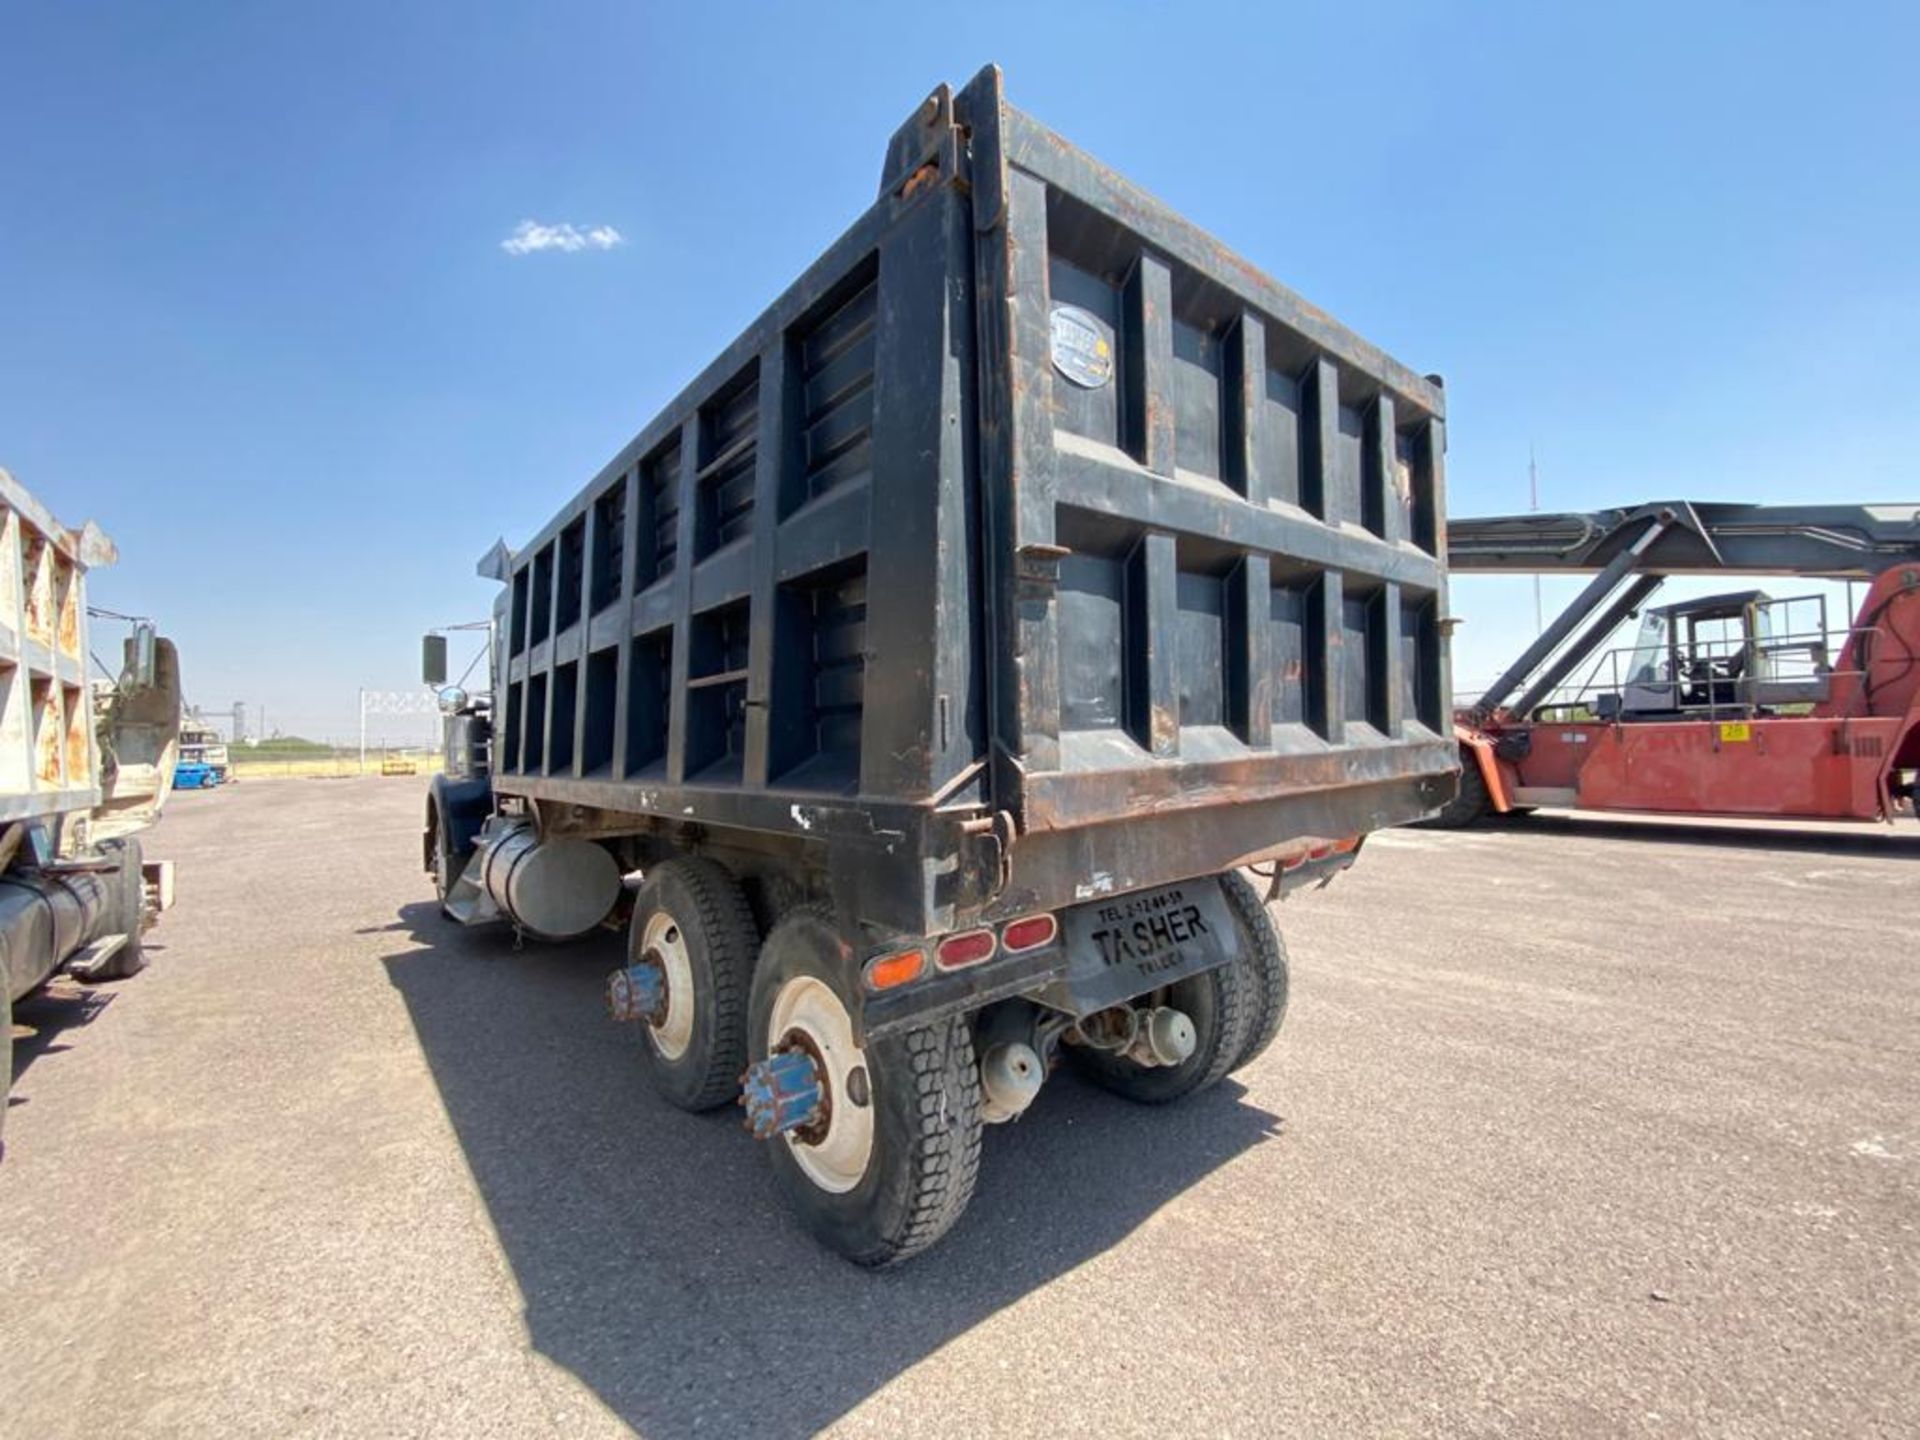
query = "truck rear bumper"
{"x": 1311, "y": 836}
{"x": 1056, "y": 868}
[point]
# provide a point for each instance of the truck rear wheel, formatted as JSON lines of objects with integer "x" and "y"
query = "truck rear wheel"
{"x": 1468, "y": 807}
{"x": 888, "y": 1163}
{"x": 1222, "y": 1004}
{"x": 1266, "y": 954}
{"x": 691, "y": 919}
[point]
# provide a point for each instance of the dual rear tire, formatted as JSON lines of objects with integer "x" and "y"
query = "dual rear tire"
{"x": 891, "y": 1165}
{"x": 891, "y": 1162}
{"x": 692, "y": 918}
{"x": 1236, "y": 1010}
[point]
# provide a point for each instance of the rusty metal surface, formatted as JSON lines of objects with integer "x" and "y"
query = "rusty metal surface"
{"x": 48, "y": 764}
{"x": 857, "y": 585}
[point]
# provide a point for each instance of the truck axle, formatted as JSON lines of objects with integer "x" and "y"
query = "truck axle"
{"x": 783, "y": 1094}
{"x": 638, "y": 992}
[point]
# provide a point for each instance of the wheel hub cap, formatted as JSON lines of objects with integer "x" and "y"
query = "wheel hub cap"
{"x": 783, "y": 1094}
{"x": 638, "y": 992}
{"x": 663, "y": 945}
{"x": 809, "y": 1040}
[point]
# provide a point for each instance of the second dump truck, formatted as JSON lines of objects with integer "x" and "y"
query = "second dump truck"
{"x": 84, "y": 767}
{"x": 941, "y": 656}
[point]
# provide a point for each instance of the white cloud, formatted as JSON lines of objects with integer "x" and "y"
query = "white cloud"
{"x": 530, "y": 237}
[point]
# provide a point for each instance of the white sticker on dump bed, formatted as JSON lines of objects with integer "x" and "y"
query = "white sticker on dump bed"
{"x": 1081, "y": 350}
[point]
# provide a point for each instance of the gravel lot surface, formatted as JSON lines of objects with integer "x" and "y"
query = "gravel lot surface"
{"x": 1577, "y": 1128}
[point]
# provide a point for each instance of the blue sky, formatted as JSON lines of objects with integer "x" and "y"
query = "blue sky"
{"x": 256, "y": 317}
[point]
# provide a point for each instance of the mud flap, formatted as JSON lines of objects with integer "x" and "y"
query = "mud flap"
{"x": 139, "y": 734}
{"x": 1130, "y": 945}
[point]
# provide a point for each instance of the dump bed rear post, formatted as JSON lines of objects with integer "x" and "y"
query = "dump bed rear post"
{"x": 921, "y": 722}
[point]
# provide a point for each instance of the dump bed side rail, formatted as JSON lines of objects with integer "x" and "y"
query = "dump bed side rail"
{"x": 690, "y": 639}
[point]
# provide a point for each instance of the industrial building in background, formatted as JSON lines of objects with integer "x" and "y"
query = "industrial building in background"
{"x": 1739, "y": 704}
{"x": 82, "y": 769}
{"x": 943, "y": 653}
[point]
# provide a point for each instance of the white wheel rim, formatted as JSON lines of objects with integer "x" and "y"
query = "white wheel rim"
{"x": 665, "y": 938}
{"x": 839, "y": 1159}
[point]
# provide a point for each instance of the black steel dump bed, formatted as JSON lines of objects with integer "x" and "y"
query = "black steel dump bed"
{"x": 1030, "y": 547}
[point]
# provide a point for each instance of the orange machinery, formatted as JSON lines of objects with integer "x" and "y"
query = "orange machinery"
{"x": 1739, "y": 704}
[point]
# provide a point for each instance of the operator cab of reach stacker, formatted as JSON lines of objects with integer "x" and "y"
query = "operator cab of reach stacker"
{"x": 1740, "y": 652}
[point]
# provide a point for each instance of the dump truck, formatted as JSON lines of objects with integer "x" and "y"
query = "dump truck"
{"x": 920, "y": 685}
{"x": 82, "y": 769}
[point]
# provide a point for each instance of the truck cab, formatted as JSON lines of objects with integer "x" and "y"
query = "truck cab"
{"x": 1740, "y": 651}
{"x": 460, "y": 797}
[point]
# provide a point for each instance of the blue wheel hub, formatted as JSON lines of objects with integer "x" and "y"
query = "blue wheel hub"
{"x": 783, "y": 1094}
{"x": 638, "y": 992}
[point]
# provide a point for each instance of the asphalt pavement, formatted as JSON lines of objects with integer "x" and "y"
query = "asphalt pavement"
{"x": 1574, "y": 1127}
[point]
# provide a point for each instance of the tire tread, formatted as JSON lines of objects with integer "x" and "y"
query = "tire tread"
{"x": 942, "y": 1162}
{"x": 128, "y": 911}
{"x": 1266, "y": 967}
{"x": 1469, "y": 807}
{"x": 946, "y": 1159}
{"x": 726, "y": 919}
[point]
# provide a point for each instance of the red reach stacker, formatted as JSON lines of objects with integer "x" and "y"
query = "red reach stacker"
{"x": 1739, "y": 704}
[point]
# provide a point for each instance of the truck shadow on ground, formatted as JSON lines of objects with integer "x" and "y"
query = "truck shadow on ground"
{"x": 1900, "y": 841}
{"x": 654, "y": 1257}
{"x": 43, "y": 1022}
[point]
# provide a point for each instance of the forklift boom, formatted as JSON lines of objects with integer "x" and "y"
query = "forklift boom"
{"x": 1839, "y": 542}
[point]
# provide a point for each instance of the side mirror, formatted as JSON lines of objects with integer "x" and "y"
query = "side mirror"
{"x": 433, "y": 659}
{"x": 452, "y": 700}
{"x": 140, "y": 655}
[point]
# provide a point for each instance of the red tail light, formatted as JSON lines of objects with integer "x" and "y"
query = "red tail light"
{"x": 969, "y": 947}
{"x": 1029, "y": 932}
